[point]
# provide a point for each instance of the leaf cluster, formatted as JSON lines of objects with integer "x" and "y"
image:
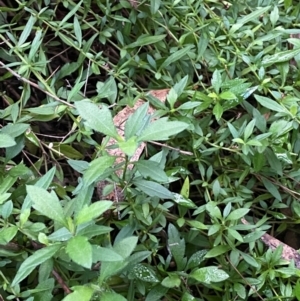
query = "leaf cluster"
{"x": 223, "y": 146}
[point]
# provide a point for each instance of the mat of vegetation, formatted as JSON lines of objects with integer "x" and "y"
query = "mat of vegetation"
{"x": 222, "y": 149}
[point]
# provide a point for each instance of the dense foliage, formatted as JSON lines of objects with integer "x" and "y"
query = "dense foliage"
{"x": 228, "y": 148}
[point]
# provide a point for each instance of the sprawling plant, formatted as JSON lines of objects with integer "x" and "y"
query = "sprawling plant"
{"x": 174, "y": 202}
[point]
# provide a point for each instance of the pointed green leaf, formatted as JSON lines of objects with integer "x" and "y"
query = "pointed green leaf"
{"x": 80, "y": 293}
{"x": 80, "y": 251}
{"x": 88, "y": 213}
{"x": 144, "y": 40}
{"x": 6, "y": 140}
{"x": 271, "y": 188}
{"x": 280, "y": 57}
{"x": 237, "y": 214}
{"x": 177, "y": 246}
{"x": 33, "y": 261}
{"x": 254, "y": 15}
{"x": 129, "y": 146}
{"x": 111, "y": 296}
{"x": 126, "y": 246}
{"x": 162, "y": 129}
{"x": 97, "y": 168}
{"x": 46, "y": 203}
{"x": 269, "y": 103}
{"x": 98, "y": 119}
{"x": 216, "y": 251}
{"x": 151, "y": 169}
{"x": 153, "y": 189}
{"x": 136, "y": 121}
{"x": 209, "y": 274}
{"x": 144, "y": 273}
{"x": 174, "y": 57}
{"x": 105, "y": 254}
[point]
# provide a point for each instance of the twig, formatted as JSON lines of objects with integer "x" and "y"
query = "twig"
{"x": 173, "y": 148}
{"x": 25, "y": 80}
{"x": 61, "y": 282}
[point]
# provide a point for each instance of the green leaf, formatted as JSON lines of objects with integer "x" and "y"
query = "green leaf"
{"x": 216, "y": 80}
{"x": 196, "y": 259}
{"x": 162, "y": 129}
{"x": 80, "y": 293}
{"x": 15, "y": 129}
{"x": 269, "y": 103}
{"x": 98, "y": 119}
{"x": 144, "y": 40}
{"x": 174, "y": 57}
{"x": 33, "y": 261}
{"x": 280, "y": 57}
{"x": 180, "y": 86}
{"x": 227, "y": 95}
{"x": 177, "y": 247}
{"x": 7, "y": 234}
{"x": 296, "y": 290}
{"x": 110, "y": 268}
{"x": 46, "y": 203}
{"x": 271, "y": 188}
{"x": 88, "y": 213}
{"x": 254, "y": 15}
{"x": 209, "y": 274}
{"x": 71, "y": 13}
{"x": 151, "y": 169}
{"x": 218, "y": 111}
{"x": 108, "y": 90}
{"x": 153, "y": 189}
{"x": 105, "y": 254}
{"x": 111, "y": 296}
{"x": 80, "y": 251}
{"x": 184, "y": 202}
{"x": 77, "y": 31}
{"x": 249, "y": 129}
{"x": 97, "y": 168}
{"x": 26, "y": 31}
{"x": 136, "y": 121}
{"x": 35, "y": 44}
{"x": 172, "y": 280}
{"x": 126, "y": 246}
{"x": 129, "y": 146}
{"x": 154, "y": 6}
{"x": 237, "y": 214}
{"x": 216, "y": 251}
{"x": 144, "y": 273}
{"x": 6, "y": 140}
{"x": 249, "y": 259}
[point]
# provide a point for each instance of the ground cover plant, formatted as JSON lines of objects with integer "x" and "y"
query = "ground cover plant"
{"x": 82, "y": 217}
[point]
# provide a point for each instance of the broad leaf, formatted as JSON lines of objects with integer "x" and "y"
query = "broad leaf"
{"x": 136, "y": 122}
{"x": 80, "y": 293}
{"x": 97, "y": 168}
{"x": 144, "y": 273}
{"x": 153, "y": 189}
{"x": 33, "y": 261}
{"x": 98, "y": 119}
{"x": 80, "y": 251}
{"x": 177, "y": 246}
{"x": 46, "y": 203}
{"x": 105, "y": 254}
{"x": 88, "y": 213}
{"x": 6, "y": 140}
{"x": 270, "y": 104}
{"x": 209, "y": 274}
{"x": 162, "y": 129}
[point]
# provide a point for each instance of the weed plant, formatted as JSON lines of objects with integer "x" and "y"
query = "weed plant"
{"x": 228, "y": 149}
